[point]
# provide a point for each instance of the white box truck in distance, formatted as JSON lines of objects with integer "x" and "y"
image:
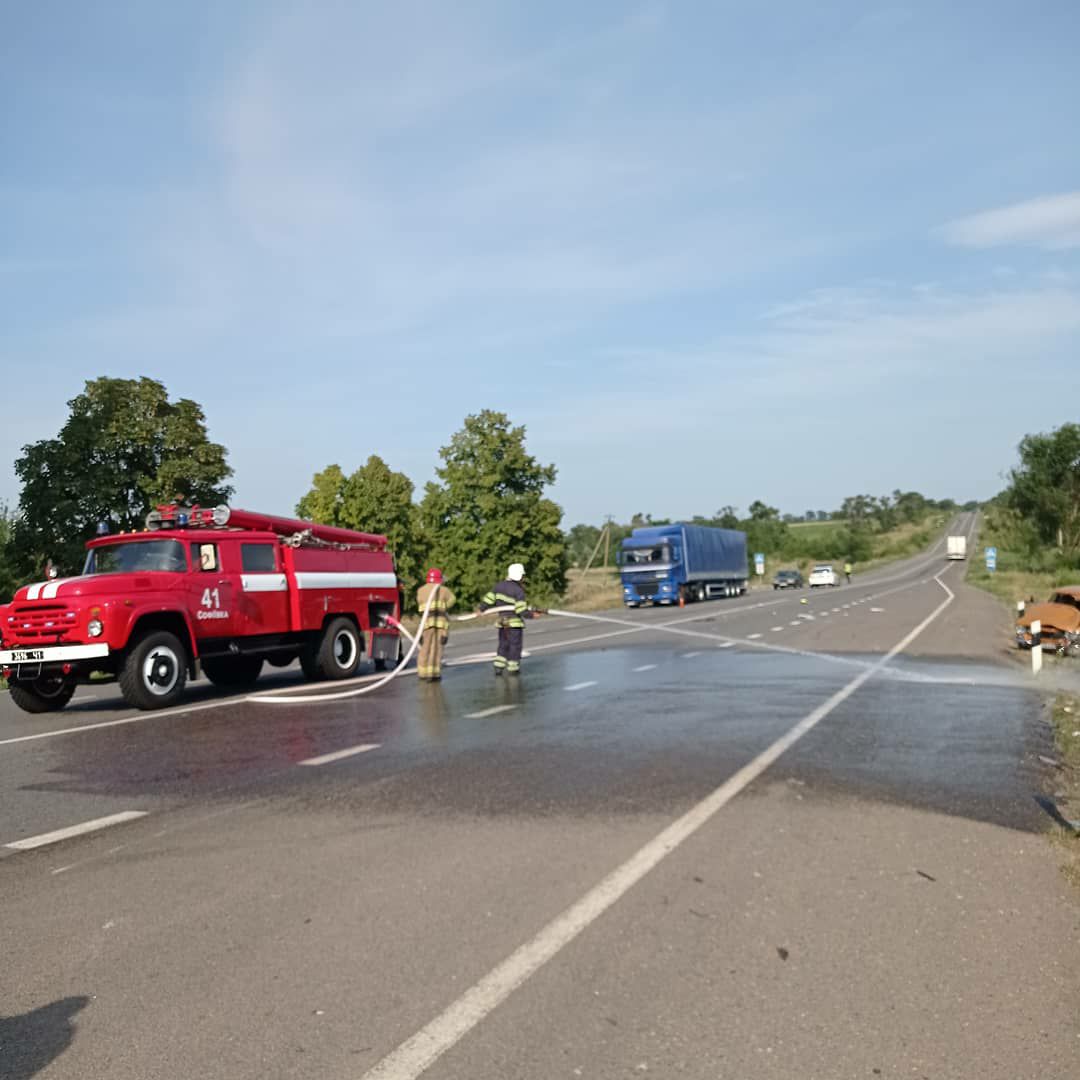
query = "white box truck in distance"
{"x": 956, "y": 547}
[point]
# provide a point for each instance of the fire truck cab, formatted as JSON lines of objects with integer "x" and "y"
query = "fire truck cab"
{"x": 221, "y": 591}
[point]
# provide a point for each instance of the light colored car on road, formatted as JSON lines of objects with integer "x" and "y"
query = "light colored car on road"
{"x": 823, "y": 575}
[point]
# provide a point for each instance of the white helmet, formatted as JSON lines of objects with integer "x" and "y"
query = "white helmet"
{"x": 516, "y": 572}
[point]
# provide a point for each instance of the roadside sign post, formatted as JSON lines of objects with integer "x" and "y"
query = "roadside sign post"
{"x": 991, "y": 559}
{"x": 1036, "y": 647}
{"x": 759, "y": 563}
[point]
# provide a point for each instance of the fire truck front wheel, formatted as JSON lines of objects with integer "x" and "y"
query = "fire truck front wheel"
{"x": 42, "y": 695}
{"x": 154, "y": 672}
{"x": 340, "y": 650}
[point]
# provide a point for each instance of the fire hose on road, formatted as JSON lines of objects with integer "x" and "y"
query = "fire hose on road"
{"x": 286, "y": 698}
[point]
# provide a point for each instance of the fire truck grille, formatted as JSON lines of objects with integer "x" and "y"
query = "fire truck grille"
{"x": 40, "y": 624}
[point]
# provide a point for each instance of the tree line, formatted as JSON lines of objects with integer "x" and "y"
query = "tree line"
{"x": 1036, "y": 517}
{"x": 859, "y": 518}
{"x": 126, "y": 447}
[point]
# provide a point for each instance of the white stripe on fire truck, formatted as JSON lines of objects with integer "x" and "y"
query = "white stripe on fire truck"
{"x": 317, "y": 579}
{"x": 52, "y": 587}
{"x": 33, "y": 590}
{"x": 263, "y": 582}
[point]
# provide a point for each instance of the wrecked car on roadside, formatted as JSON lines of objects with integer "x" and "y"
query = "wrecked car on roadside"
{"x": 1060, "y": 619}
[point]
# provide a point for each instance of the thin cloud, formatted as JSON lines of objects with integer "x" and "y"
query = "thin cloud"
{"x": 1051, "y": 222}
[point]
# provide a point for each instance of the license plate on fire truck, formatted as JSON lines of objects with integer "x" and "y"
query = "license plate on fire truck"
{"x": 27, "y": 656}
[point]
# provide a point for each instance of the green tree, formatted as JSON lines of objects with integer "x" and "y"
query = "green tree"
{"x": 581, "y": 543}
{"x": 857, "y": 509}
{"x": 1045, "y": 486}
{"x": 488, "y": 510}
{"x": 373, "y": 499}
{"x": 377, "y": 499}
{"x": 324, "y": 501}
{"x": 124, "y": 448}
{"x": 726, "y": 518}
{"x": 9, "y": 579}
{"x": 759, "y": 511}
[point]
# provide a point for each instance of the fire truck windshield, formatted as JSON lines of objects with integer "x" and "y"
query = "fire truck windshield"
{"x": 137, "y": 556}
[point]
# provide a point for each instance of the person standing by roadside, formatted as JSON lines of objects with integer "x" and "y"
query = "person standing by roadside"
{"x": 847, "y": 571}
{"x": 437, "y": 627}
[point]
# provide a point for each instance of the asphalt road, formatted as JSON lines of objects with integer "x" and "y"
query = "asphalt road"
{"x": 748, "y": 838}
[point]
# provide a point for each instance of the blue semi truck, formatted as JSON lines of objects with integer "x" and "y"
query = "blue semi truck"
{"x": 662, "y": 564}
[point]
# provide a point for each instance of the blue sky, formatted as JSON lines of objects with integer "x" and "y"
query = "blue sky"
{"x": 706, "y": 253}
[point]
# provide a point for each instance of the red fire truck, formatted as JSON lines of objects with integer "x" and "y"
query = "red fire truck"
{"x": 217, "y": 590}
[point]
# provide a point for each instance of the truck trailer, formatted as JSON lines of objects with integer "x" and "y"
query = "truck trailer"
{"x": 956, "y": 547}
{"x": 666, "y": 564}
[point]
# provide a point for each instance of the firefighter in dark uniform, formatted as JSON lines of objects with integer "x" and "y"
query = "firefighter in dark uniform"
{"x": 509, "y": 594}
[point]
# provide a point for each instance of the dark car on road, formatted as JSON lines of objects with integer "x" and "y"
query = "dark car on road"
{"x": 788, "y": 579}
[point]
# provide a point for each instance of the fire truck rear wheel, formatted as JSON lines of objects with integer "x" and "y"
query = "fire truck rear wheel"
{"x": 232, "y": 671}
{"x": 340, "y": 650}
{"x": 42, "y": 695}
{"x": 154, "y": 672}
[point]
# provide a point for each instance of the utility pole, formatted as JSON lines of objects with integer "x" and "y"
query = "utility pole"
{"x": 607, "y": 539}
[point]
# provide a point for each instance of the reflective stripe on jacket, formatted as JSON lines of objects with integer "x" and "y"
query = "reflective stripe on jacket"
{"x": 507, "y": 594}
{"x": 443, "y": 602}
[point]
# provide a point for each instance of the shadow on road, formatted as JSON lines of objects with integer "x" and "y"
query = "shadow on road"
{"x": 31, "y": 1041}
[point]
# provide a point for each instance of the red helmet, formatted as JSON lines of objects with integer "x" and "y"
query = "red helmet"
{"x": 434, "y": 576}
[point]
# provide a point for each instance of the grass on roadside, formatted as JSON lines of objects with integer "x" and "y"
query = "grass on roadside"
{"x": 1011, "y": 585}
{"x": 596, "y": 590}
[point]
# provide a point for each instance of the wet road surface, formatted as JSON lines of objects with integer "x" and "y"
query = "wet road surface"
{"x": 313, "y": 885}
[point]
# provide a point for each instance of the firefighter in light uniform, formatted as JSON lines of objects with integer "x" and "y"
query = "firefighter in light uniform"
{"x": 509, "y": 594}
{"x": 437, "y": 628}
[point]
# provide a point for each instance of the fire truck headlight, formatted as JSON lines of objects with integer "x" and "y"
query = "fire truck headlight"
{"x": 95, "y": 628}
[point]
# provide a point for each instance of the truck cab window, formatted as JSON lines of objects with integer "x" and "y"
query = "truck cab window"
{"x": 205, "y": 556}
{"x": 257, "y": 558}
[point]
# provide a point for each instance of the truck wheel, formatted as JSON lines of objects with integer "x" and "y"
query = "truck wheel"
{"x": 340, "y": 650}
{"x": 42, "y": 695}
{"x": 232, "y": 671}
{"x": 154, "y": 672}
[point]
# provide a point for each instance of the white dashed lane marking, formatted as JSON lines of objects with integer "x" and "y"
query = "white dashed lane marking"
{"x": 645, "y": 667}
{"x": 489, "y": 712}
{"x": 581, "y": 685}
{"x": 54, "y": 837}
{"x": 340, "y": 755}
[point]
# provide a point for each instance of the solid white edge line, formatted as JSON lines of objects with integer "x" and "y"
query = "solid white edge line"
{"x": 54, "y": 837}
{"x": 416, "y": 1054}
{"x": 339, "y": 755}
